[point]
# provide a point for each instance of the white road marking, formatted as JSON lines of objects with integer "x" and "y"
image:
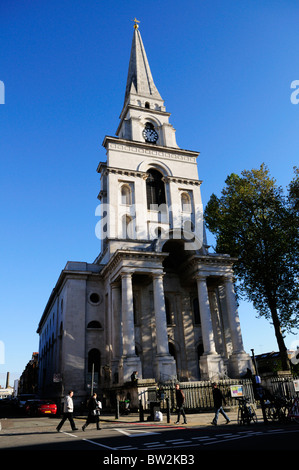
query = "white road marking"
{"x": 98, "y": 444}
{"x": 132, "y": 432}
{"x": 88, "y": 440}
{"x": 68, "y": 434}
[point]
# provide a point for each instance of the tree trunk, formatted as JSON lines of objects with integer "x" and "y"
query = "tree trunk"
{"x": 280, "y": 341}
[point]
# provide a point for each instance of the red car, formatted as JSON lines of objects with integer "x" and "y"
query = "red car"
{"x": 40, "y": 407}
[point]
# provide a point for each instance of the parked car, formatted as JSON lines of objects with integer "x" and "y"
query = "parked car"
{"x": 40, "y": 407}
{"x": 23, "y": 398}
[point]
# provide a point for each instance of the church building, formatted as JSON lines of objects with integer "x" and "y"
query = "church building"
{"x": 154, "y": 300}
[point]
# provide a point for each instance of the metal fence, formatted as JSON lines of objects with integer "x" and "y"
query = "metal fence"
{"x": 199, "y": 397}
{"x": 280, "y": 386}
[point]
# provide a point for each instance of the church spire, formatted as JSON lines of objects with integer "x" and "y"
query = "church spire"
{"x": 140, "y": 81}
{"x": 143, "y": 117}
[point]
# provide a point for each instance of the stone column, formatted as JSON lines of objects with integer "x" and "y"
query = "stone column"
{"x": 127, "y": 315}
{"x": 116, "y": 333}
{"x": 205, "y": 316}
{"x": 165, "y": 366}
{"x": 211, "y": 364}
{"x": 160, "y": 315}
{"x": 233, "y": 316}
{"x": 239, "y": 361}
{"x": 131, "y": 362}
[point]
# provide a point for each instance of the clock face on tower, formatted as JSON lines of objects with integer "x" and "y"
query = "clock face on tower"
{"x": 149, "y": 133}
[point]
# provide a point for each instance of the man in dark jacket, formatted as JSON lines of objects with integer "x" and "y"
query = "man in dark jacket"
{"x": 218, "y": 399}
{"x": 180, "y": 399}
{"x": 93, "y": 412}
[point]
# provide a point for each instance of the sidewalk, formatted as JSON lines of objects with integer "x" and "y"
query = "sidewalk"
{"x": 193, "y": 419}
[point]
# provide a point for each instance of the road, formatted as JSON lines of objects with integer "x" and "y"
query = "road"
{"x": 154, "y": 441}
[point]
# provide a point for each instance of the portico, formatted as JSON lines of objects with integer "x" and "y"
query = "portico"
{"x": 126, "y": 347}
{"x": 141, "y": 314}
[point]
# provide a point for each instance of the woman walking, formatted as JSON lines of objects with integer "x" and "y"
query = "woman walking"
{"x": 94, "y": 407}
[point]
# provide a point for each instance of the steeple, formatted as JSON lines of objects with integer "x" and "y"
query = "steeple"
{"x": 140, "y": 81}
{"x": 143, "y": 117}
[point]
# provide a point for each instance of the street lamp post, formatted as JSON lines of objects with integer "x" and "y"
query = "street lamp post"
{"x": 258, "y": 389}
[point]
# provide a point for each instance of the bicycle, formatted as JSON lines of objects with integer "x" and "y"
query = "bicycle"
{"x": 283, "y": 410}
{"x": 293, "y": 410}
{"x": 246, "y": 412}
{"x": 277, "y": 409}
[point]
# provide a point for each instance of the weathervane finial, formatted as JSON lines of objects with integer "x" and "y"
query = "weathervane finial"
{"x": 135, "y": 23}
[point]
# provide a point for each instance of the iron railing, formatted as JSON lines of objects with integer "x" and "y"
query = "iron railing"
{"x": 199, "y": 397}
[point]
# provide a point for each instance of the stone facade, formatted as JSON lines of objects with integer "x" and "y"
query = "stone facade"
{"x": 154, "y": 300}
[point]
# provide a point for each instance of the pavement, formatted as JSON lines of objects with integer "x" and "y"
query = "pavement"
{"x": 193, "y": 419}
{"x": 200, "y": 419}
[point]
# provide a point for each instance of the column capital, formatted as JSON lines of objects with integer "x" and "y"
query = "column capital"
{"x": 229, "y": 278}
{"x": 157, "y": 275}
{"x": 201, "y": 277}
{"x": 115, "y": 285}
{"x": 126, "y": 274}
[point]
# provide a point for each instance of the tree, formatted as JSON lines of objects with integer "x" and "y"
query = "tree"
{"x": 256, "y": 223}
{"x": 294, "y": 194}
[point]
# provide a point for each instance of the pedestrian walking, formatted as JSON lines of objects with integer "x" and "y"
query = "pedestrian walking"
{"x": 94, "y": 406}
{"x": 68, "y": 409}
{"x": 218, "y": 400}
{"x": 180, "y": 400}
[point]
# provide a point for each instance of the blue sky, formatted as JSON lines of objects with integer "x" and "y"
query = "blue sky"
{"x": 224, "y": 69}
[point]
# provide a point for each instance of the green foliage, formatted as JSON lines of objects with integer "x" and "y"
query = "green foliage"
{"x": 256, "y": 223}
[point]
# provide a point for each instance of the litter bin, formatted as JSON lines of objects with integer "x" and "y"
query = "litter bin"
{"x": 154, "y": 406}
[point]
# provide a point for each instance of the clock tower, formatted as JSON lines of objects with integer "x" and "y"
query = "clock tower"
{"x": 149, "y": 186}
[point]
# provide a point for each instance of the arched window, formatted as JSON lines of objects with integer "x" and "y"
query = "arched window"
{"x": 94, "y": 324}
{"x": 93, "y": 368}
{"x": 186, "y": 202}
{"x": 126, "y": 195}
{"x": 94, "y": 359}
{"x": 155, "y": 190}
